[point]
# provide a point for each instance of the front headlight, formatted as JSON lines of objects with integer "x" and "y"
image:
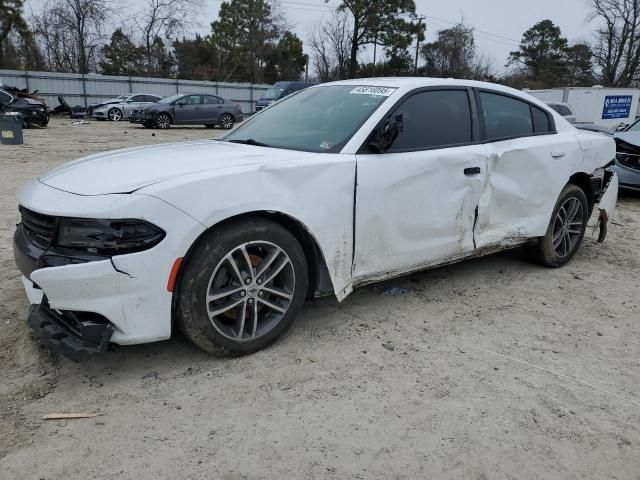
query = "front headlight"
{"x": 111, "y": 237}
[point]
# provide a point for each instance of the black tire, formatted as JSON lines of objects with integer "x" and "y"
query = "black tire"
{"x": 226, "y": 121}
{"x": 163, "y": 121}
{"x": 198, "y": 275}
{"x": 543, "y": 250}
{"x": 115, "y": 114}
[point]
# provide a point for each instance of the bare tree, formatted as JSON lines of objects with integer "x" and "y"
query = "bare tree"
{"x": 158, "y": 18}
{"x": 330, "y": 43}
{"x": 617, "y": 47}
{"x": 70, "y": 32}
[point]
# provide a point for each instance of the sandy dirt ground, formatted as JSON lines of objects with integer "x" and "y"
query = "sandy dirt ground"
{"x": 489, "y": 369}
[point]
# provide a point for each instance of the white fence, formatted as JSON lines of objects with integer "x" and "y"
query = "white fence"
{"x": 81, "y": 89}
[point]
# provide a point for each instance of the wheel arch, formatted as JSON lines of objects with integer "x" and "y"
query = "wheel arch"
{"x": 583, "y": 180}
{"x": 166, "y": 112}
{"x": 320, "y": 282}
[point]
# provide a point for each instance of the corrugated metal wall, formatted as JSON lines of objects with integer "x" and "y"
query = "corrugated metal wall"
{"x": 85, "y": 89}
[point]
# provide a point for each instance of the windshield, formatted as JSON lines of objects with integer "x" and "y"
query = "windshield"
{"x": 635, "y": 127}
{"x": 171, "y": 99}
{"x": 272, "y": 94}
{"x": 320, "y": 119}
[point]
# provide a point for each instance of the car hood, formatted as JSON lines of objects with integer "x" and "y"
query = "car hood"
{"x": 110, "y": 101}
{"x": 632, "y": 138}
{"x": 125, "y": 171}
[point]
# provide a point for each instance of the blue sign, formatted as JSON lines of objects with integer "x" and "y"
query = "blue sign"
{"x": 617, "y": 106}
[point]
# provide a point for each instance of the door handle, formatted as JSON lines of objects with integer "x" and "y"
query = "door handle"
{"x": 558, "y": 153}
{"x": 472, "y": 171}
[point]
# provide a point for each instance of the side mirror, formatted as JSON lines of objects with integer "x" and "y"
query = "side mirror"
{"x": 621, "y": 127}
{"x": 384, "y": 137}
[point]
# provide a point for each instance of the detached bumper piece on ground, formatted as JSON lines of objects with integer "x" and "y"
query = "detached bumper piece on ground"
{"x": 78, "y": 336}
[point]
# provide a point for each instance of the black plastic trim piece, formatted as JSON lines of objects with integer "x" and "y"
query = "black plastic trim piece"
{"x": 64, "y": 333}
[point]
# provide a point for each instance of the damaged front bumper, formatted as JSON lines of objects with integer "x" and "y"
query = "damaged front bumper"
{"x": 607, "y": 201}
{"x": 81, "y": 303}
{"x": 78, "y": 336}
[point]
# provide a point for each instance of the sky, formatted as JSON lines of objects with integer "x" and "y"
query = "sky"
{"x": 499, "y": 24}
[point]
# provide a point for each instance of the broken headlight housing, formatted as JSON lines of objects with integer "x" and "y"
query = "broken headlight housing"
{"x": 107, "y": 237}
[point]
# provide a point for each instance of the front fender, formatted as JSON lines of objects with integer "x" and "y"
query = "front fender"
{"x": 316, "y": 191}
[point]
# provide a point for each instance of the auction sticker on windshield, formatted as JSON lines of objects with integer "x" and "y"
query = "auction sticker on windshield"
{"x": 381, "y": 91}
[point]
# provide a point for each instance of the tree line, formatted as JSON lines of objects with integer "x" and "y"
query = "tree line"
{"x": 253, "y": 41}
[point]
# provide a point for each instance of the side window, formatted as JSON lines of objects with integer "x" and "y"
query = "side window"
{"x": 138, "y": 98}
{"x": 210, "y": 99}
{"x": 556, "y": 107}
{"x": 434, "y": 119}
{"x": 541, "y": 123}
{"x": 193, "y": 100}
{"x": 564, "y": 110}
{"x": 505, "y": 117}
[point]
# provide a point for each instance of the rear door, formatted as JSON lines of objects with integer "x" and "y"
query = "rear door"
{"x": 529, "y": 165}
{"x": 416, "y": 203}
{"x": 211, "y": 108}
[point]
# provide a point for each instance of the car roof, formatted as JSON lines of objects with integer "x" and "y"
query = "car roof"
{"x": 411, "y": 83}
{"x": 418, "y": 82}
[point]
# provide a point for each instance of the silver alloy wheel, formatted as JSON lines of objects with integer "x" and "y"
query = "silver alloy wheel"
{"x": 163, "y": 121}
{"x": 567, "y": 227}
{"x": 250, "y": 290}
{"x": 115, "y": 115}
{"x": 226, "y": 121}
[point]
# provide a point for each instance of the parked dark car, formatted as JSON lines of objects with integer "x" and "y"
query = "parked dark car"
{"x": 189, "y": 109}
{"x": 34, "y": 112}
{"x": 280, "y": 90}
{"x": 628, "y": 156}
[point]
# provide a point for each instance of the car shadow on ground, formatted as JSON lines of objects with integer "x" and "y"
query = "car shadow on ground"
{"x": 320, "y": 318}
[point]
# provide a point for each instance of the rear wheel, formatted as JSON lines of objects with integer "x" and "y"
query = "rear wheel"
{"x": 226, "y": 121}
{"x": 242, "y": 287}
{"x": 163, "y": 121}
{"x": 115, "y": 114}
{"x": 566, "y": 229}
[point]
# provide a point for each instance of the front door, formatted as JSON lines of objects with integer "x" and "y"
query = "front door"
{"x": 189, "y": 109}
{"x": 416, "y": 203}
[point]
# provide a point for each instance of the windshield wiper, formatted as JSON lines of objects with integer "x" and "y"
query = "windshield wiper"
{"x": 251, "y": 141}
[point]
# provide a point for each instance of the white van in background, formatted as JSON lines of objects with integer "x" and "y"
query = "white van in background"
{"x": 608, "y": 107}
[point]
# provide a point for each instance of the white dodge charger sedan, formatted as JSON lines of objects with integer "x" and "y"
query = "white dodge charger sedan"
{"x": 337, "y": 186}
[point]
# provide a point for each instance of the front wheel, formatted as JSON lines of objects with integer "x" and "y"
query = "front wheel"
{"x": 115, "y": 114}
{"x": 226, "y": 121}
{"x": 242, "y": 287}
{"x": 163, "y": 121}
{"x": 566, "y": 229}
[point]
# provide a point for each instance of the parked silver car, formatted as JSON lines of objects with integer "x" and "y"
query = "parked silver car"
{"x": 119, "y": 111}
{"x": 563, "y": 109}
